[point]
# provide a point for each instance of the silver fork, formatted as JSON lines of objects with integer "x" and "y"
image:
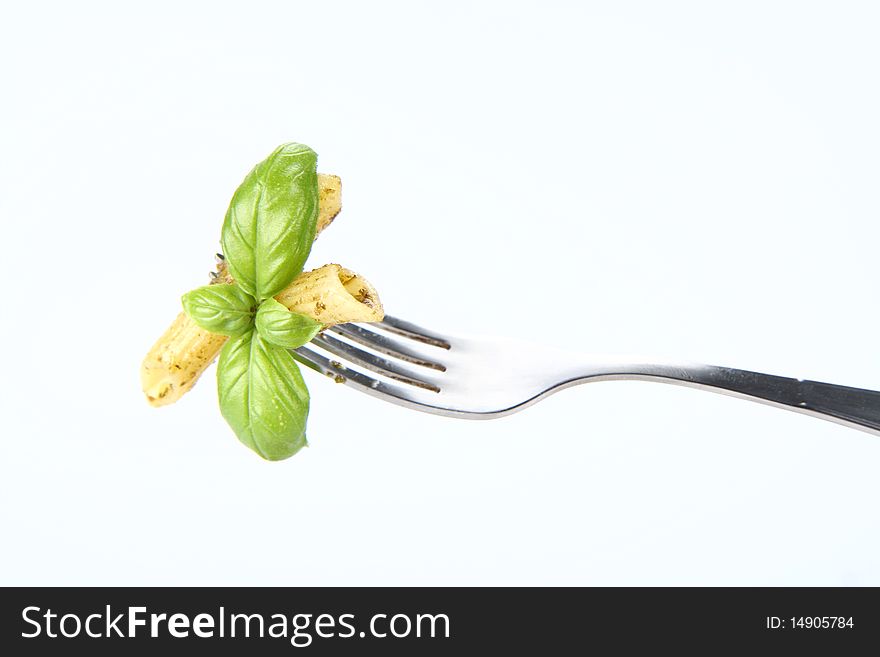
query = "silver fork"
{"x": 488, "y": 378}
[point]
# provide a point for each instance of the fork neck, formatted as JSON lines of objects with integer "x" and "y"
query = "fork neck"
{"x": 854, "y": 407}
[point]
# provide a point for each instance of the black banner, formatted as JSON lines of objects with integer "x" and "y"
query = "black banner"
{"x": 407, "y": 621}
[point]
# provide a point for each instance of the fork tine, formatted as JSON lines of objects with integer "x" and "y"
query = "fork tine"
{"x": 383, "y": 345}
{"x": 370, "y": 361}
{"x": 409, "y": 330}
{"x": 342, "y": 374}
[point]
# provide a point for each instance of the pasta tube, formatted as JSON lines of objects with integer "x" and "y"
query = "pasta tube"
{"x": 330, "y": 295}
{"x": 329, "y": 200}
{"x": 333, "y": 295}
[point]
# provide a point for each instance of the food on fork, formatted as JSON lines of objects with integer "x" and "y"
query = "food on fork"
{"x": 261, "y": 304}
{"x": 185, "y": 350}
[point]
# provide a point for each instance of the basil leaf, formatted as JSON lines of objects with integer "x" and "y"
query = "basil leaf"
{"x": 276, "y": 324}
{"x": 224, "y": 309}
{"x": 262, "y": 396}
{"x": 271, "y": 221}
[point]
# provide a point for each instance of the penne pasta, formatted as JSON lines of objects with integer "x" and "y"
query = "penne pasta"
{"x": 329, "y": 200}
{"x": 333, "y": 295}
{"x": 330, "y": 294}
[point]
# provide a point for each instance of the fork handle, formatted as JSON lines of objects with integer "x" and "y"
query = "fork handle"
{"x": 853, "y": 407}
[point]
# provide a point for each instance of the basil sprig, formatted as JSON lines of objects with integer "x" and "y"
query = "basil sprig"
{"x": 271, "y": 221}
{"x": 278, "y": 326}
{"x": 262, "y": 396}
{"x": 223, "y": 309}
{"x": 266, "y": 238}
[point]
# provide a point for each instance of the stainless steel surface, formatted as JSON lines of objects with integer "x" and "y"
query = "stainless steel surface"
{"x": 485, "y": 378}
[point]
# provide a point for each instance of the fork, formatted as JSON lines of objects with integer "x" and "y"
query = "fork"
{"x": 485, "y": 378}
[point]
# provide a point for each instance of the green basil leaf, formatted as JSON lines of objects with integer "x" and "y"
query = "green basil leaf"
{"x": 223, "y": 308}
{"x": 276, "y": 324}
{"x": 271, "y": 221}
{"x": 262, "y": 396}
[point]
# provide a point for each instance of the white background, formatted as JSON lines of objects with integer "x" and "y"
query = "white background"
{"x": 694, "y": 180}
